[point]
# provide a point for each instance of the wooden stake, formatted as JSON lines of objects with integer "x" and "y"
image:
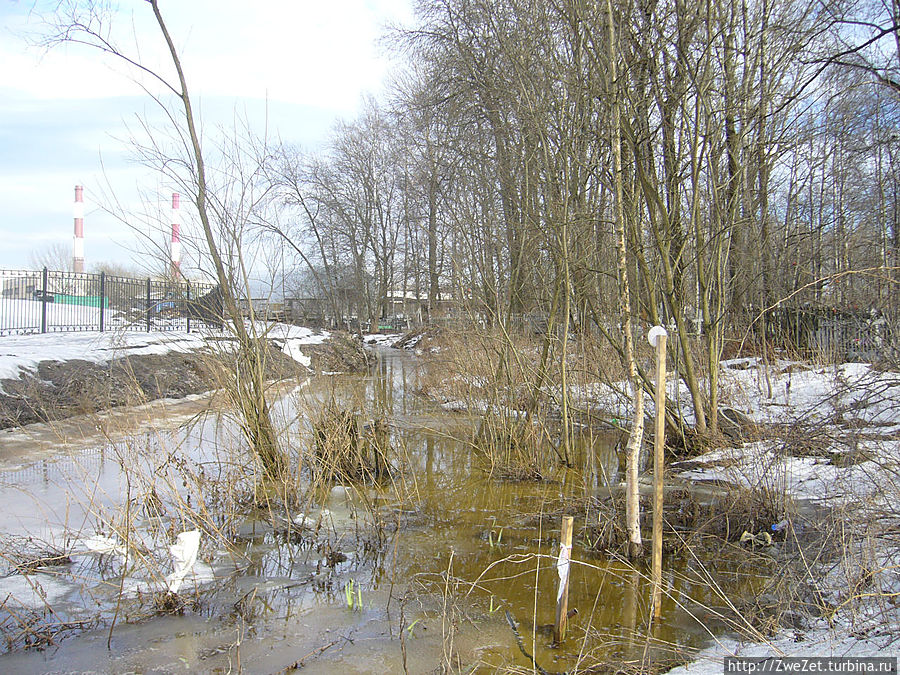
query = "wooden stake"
{"x": 659, "y": 445}
{"x": 562, "y": 568}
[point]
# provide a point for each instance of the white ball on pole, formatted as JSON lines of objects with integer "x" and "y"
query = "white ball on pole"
{"x": 654, "y": 334}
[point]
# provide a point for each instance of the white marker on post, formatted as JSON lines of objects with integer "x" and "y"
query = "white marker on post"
{"x": 657, "y": 338}
{"x": 654, "y": 334}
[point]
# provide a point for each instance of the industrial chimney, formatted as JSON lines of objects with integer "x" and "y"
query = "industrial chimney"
{"x": 78, "y": 244}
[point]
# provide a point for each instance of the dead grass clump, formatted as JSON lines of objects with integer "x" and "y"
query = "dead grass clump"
{"x": 778, "y": 608}
{"x": 604, "y": 530}
{"x": 517, "y": 473}
{"x": 689, "y": 519}
{"x": 593, "y": 355}
{"x": 346, "y": 448}
{"x": 37, "y": 629}
{"x": 515, "y": 449}
{"x": 649, "y": 666}
{"x": 489, "y": 368}
{"x": 804, "y": 439}
{"x": 606, "y": 534}
{"x": 166, "y": 602}
{"x": 726, "y": 516}
{"x": 23, "y": 555}
{"x": 342, "y": 353}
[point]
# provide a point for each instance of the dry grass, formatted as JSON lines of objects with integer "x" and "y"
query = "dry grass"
{"x": 349, "y": 449}
{"x": 348, "y": 441}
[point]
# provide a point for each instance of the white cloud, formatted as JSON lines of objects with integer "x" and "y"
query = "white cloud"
{"x": 308, "y": 53}
{"x": 60, "y": 111}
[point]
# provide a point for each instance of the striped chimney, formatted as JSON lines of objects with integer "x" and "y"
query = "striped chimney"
{"x": 175, "y": 251}
{"x": 78, "y": 244}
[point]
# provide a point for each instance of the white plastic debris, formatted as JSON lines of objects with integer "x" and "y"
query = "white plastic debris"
{"x": 562, "y": 568}
{"x": 104, "y": 545}
{"x": 312, "y": 520}
{"x": 184, "y": 555}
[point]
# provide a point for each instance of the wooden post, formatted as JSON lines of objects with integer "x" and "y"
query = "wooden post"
{"x": 657, "y": 337}
{"x": 562, "y": 568}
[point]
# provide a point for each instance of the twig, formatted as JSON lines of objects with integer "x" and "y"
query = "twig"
{"x": 515, "y": 629}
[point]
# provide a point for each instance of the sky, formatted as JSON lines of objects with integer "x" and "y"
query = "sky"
{"x": 292, "y": 67}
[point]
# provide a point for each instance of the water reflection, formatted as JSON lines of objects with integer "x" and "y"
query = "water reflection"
{"x": 441, "y": 540}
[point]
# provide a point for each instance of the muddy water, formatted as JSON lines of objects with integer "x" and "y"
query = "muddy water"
{"x": 418, "y": 572}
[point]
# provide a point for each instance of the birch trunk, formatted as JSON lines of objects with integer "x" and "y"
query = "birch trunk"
{"x": 632, "y": 501}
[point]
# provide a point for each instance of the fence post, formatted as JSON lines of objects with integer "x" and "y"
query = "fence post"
{"x": 44, "y": 283}
{"x": 562, "y": 568}
{"x": 102, "y": 299}
{"x": 187, "y": 306}
{"x": 148, "y": 304}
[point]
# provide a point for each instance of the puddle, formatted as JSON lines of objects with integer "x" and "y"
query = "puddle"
{"x": 415, "y": 573}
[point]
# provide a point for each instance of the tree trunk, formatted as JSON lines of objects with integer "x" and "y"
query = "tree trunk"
{"x": 632, "y": 499}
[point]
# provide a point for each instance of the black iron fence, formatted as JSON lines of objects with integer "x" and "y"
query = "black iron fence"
{"x": 45, "y": 301}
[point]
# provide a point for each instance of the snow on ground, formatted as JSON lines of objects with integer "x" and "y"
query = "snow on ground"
{"x": 870, "y": 630}
{"x": 800, "y": 391}
{"x": 834, "y": 442}
{"x": 20, "y": 353}
{"x": 24, "y": 317}
{"x": 291, "y": 338}
{"x": 849, "y": 412}
{"x": 857, "y": 391}
{"x": 286, "y": 331}
{"x": 382, "y": 340}
{"x": 292, "y": 349}
{"x": 764, "y": 465}
{"x": 822, "y": 641}
{"x": 17, "y": 313}
{"x": 855, "y": 407}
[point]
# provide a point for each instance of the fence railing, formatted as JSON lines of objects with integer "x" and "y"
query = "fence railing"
{"x": 829, "y": 332}
{"x": 46, "y": 301}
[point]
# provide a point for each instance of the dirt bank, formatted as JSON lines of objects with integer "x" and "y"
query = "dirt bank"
{"x": 57, "y": 390}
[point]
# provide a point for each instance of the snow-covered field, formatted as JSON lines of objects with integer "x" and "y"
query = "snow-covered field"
{"x": 22, "y": 317}
{"x": 780, "y": 393}
{"x": 16, "y": 314}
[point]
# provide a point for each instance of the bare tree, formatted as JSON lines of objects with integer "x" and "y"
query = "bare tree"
{"x": 55, "y": 256}
{"x": 89, "y": 23}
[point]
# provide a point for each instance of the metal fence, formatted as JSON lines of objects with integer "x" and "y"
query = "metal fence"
{"x": 45, "y": 301}
{"x": 832, "y": 333}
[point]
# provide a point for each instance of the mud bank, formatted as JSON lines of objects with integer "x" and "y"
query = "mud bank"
{"x": 56, "y": 390}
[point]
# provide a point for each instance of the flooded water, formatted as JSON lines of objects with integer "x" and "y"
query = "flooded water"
{"x": 418, "y": 573}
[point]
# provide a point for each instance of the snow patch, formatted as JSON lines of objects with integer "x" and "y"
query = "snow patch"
{"x": 21, "y": 354}
{"x": 292, "y": 348}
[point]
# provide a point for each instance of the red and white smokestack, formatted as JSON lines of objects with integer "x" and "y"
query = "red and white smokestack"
{"x": 175, "y": 250}
{"x": 78, "y": 245}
